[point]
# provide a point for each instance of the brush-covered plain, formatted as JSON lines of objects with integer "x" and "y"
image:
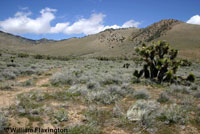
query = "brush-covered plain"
{"x": 92, "y": 96}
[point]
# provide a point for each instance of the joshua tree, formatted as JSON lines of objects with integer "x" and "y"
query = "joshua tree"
{"x": 160, "y": 62}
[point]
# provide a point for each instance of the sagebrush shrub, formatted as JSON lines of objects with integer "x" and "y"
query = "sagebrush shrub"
{"x": 163, "y": 98}
{"x": 141, "y": 94}
{"x": 144, "y": 112}
{"x": 173, "y": 114}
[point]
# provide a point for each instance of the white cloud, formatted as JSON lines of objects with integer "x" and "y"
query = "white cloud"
{"x": 94, "y": 24}
{"x": 194, "y": 20}
{"x": 87, "y": 26}
{"x": 22, "y": 23}
{"x": 131, "y": 23}
{"x": 60, "y": 27}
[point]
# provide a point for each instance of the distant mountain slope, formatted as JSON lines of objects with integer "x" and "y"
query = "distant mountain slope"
{"x": 6, "y": 38}
{"x": 186, "y": 38}
{"x": 93, "y": 45}
{"x": 119, "y": 42}
{"x": 154, "y": 31}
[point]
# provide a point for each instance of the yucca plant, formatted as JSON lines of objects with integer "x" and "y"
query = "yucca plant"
{"x": 160, "y": 62}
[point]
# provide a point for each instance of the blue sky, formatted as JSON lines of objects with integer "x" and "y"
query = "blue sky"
{"x": 61, "y": 19}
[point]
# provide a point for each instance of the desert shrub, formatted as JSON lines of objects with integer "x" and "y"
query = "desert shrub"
{"x": 28, "y": 82}
{"x": 187, "y": 103}
{"x": 78, "y": 89}
{"x": 12, "y": 65}
{"x": 160, "y": 62}
{"x": 38, "y": 56}
{"x": 92, "y": 85}
{"x": 175, "y": 89}
{"x": 191, "y": 77}
{"x": 173, "y": 114}
{"x": 141, "y": 94}
{"x": 198, "y": 120}
{"x": 64, "y": 95}
{"x": 179, "y": 89}
{"x": 194, "y": 87}
{"x": 62, "y": 58}
{"x": 196, "y": 94}
{"x": 186, "y": 62}
{"x": 144, "y": 112}
{"x": 61, "y": 115}
{"x": 97, "y": 116}
{"x": 101, "y": 58}
{"x": 118, "y": 110}
{"x": 23, "y": 55}
{"x": 67, "y": 77}
{"x": 109, "y": 79}
{"x": 8, "y": 75}
{"x": 60, "y": 78}
{"x": 84, "y": 129}
{"x": 3, "y": 123}
{"x": 30, "y": 103}
{"x": 163, "y": 98}
{"x": 28, "y": 71}
{"x": 0, "y": 54}
{"x": 101, "y": 96}
{"x": 127, "y": 87}
{"x": 6, "y": 86}
{"x": 186, "y": 90}
{"x": 115, "y": 90}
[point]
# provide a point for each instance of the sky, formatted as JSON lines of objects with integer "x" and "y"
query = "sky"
{"x": 62, "y": 19}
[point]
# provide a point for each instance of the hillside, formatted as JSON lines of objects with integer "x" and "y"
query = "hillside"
{"x": 120, "y": 42}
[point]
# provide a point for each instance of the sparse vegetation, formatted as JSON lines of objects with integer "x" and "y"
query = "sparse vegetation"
{"x": 99, "y": 94}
